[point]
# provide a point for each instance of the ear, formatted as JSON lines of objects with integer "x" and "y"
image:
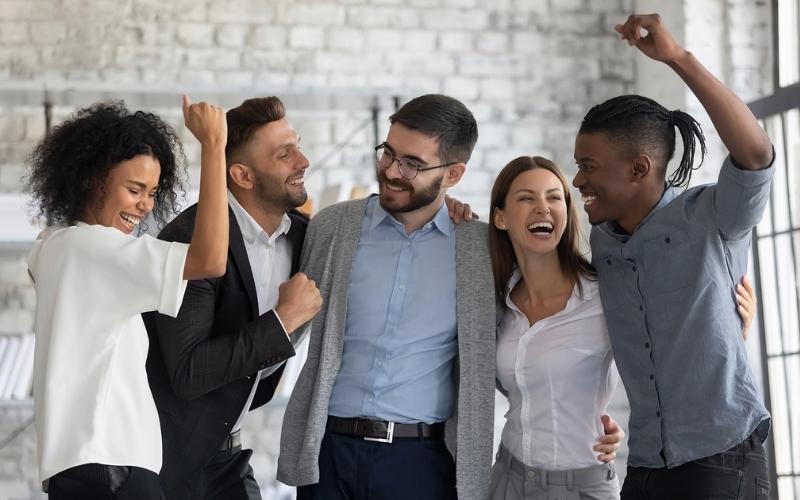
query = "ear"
{"x": 500, "y": 219}
{"x": 642, "y": 166}
{"x": 453, "y": 174}
{"x": 241, "y": 176}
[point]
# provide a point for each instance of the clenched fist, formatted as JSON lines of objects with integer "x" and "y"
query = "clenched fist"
{"x": 206, "y": 121}
{"x": 299, "y": 301}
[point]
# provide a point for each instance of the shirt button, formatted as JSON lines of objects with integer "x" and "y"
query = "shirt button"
{"x": 658, "y": 414}
{"x": 667, "y": 239}
{"x": 647, "y": 345}
{"x": 641, "y": 307}
{"x": 652, "y": 376}
{"x": 634, "y": 268}
{"x": 608, "y": 261}
{"x": 530, "y": 474}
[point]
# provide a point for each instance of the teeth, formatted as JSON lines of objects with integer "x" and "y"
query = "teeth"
{"x": 134, "y": 221}
{"x": 546, "y": 225}
{"x": 297, "y": 182}
{"x": 588, "y": 199}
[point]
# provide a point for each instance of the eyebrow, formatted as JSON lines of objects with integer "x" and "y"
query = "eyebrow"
{"x": 526, "y": 190}
{"x": 287, "y": 144}
{"x": 408, "y": 157}
{"x": 138, "y": 183}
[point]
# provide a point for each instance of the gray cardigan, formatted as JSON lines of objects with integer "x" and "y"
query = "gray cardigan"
{"x": 327, "y": 258}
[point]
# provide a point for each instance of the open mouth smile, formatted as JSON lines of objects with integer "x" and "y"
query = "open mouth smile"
{"x": 588, "y": 199}
{"x": 130, "y": 221}
{"x": 541, "y": 229}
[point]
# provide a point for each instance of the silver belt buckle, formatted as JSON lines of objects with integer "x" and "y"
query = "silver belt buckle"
{"x": 389, "y": 435}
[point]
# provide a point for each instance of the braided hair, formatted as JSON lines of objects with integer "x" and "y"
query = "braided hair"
{"x": 638, "y": 123}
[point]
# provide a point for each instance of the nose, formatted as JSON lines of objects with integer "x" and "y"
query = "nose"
{"x": 146, "y": 204}
{"x": 393, "y": 170}
{"x": 579, "y": 180}
{"x": 302, "y": 161}
{"x": 542, "y": 207}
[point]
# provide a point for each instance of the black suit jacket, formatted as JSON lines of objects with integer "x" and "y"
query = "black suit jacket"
{"x": 202, "y": 364}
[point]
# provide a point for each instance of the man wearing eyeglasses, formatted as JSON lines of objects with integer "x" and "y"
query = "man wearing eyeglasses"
{"x": 396, "y": 399}
{"x": 402, "y": 354}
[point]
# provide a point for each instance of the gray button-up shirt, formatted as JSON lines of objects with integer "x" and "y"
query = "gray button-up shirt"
{"x": 669, "y": 299}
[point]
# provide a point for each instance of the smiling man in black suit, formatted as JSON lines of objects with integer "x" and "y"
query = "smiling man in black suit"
{"x": 223, "y": 355}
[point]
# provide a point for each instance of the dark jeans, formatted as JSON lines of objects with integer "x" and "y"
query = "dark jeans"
{"x": 351, "y": 468}
{"x": 228, "y": 476}
{"x": 104, "y": 482}
{"x": 739, "y": 473}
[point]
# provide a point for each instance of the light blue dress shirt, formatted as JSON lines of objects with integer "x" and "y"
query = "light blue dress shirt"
{"x": 400, "y": 339}
{"x": 670, "y": 305}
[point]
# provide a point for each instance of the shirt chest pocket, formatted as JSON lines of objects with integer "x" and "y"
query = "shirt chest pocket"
{"x": 669, "y": 262}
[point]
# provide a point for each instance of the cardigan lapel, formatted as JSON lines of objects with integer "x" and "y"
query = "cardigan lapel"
{"x": 348, "y": 235}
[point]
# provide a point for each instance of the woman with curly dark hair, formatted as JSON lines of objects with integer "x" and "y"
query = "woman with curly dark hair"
{"x": 95, "y": 178}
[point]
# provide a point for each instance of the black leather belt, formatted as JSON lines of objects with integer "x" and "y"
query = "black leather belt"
{"x": 383, "y": 432}
{"x": 232, "y": 441}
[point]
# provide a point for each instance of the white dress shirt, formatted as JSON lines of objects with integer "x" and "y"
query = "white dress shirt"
{"x": 559, "y": 375}
{"x": 92, "y": 401}
{"x": 270, "y": 259}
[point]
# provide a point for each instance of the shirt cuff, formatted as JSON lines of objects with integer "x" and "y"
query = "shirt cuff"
{"x": 745, "y": 177}
{"x": 282, "y": 325}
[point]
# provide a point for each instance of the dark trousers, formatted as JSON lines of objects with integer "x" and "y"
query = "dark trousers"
{"x": 104, "y": 482}
{"x": 739, "y": 473}
{"x": 228, "y": 476}
{"x": 351, "y": 468}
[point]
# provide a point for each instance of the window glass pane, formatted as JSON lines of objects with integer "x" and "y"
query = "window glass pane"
{"x": 788, "y": 41}
{"x": 787, "y": 486}
{"x": 780, "y": 417}
{"x": 787, "y": 291}
{"x": 768, "y": 286}
{"x": 793, "y": 375}
{"x": 792, "y": 121}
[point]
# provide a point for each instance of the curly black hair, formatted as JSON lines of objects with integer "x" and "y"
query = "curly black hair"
{"x": 87, "y": 146}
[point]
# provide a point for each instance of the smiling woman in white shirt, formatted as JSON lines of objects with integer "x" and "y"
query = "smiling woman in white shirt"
{"x": 554, "y": 356}
{"x": 95, "y": 178}
{"x": 554, "y": 359}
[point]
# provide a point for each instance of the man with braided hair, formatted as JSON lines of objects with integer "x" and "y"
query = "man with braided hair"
{"x": 667, "y": 261}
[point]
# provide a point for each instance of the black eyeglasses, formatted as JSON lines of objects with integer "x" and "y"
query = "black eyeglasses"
{"x": 408, "y": 168}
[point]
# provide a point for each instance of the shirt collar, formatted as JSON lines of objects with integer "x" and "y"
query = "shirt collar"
{"x": 441, "y": 220}
{"x": 670, "y": 193}
{"x": 251, "y": 230}
{"x": 589, "y": 289}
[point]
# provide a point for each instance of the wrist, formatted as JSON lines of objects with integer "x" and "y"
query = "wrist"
{"x": 285, "y": 320}
{"x": 681, "y": 60}
{"x": 215, "y": 145}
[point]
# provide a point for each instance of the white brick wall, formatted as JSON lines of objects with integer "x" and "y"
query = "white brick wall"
{"x": 529, "y": 70}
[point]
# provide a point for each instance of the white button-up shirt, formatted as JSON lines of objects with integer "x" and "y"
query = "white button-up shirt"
{"x": 90, "y": 391}
{"x": 559, "y": 375}
{"x": 270, "y": 257}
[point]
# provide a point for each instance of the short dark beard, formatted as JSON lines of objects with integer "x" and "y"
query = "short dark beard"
{"x": 272, "y": 194}
{"x": 418, "y": 200}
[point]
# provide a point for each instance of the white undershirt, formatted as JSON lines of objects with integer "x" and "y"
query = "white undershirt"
{"x": 270, "y": 259}
{"x": 559, "y": 375}
{"x": 91, "y": 396}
